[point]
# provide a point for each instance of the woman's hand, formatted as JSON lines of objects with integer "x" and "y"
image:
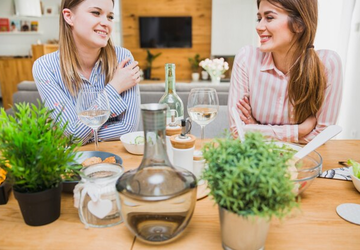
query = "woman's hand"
{"x": 306, "y": 126}
{"x": 125, "y": 77}
{"x": 245, "y": 108}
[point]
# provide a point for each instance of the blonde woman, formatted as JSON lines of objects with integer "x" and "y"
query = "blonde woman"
{"x": 285, "y": 89}
{"x": 87, "y": 59}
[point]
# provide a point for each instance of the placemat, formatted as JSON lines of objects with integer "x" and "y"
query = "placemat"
{"x": 342, "y": 173}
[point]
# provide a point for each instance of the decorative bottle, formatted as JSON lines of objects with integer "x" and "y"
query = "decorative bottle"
{"x": 170, "y": 97}
{"x": 157, "y": 200}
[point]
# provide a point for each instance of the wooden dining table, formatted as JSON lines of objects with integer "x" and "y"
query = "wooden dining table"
{"x": 315, "y": 225}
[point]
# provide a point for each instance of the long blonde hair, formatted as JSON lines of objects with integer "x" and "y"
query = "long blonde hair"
{"x": 69, "y": 57}
{"x": 306, "y": 89}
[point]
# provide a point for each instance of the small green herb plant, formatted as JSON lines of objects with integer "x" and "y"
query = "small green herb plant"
{"x": 249, "y": 178}
{"x": 34, "y": 150}
{"x": 194, "y": 63}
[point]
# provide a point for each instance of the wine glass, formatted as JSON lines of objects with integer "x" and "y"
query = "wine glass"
{"x": 203, "y": 106}
{"x": 93, "y": 109}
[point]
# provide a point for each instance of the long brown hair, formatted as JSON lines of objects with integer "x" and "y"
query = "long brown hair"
{"x": 307, "y": 82}
{"x": 69, "y": 57}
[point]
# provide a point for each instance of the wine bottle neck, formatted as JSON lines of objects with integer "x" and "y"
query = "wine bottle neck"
{"x": 170, "y": 79}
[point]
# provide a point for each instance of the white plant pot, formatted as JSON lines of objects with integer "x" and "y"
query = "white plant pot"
{"x": 195, "y": 76}
{"x": 204, "y": 75}
{"x": 241, "y": 233}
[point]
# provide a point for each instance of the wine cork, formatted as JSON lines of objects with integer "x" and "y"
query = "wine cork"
{"x": 173, "y": 130}
{"x": 180, "y": 143}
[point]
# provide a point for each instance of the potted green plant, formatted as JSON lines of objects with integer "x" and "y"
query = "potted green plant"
{"x": 250, "y": 183}
{"x": 149, "y": 60}
{"x": 194, "y": 63}
{"x": 35, "y": 153}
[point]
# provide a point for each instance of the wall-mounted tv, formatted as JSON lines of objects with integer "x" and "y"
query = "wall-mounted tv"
{"x": 165, "y": 32}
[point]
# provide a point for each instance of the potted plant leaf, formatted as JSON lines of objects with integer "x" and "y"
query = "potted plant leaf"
{"x": 194, "y": 63}
{"x": 250, "y": 183}
{"x": 149, "y": 60}
{"x": 35, "y": 153}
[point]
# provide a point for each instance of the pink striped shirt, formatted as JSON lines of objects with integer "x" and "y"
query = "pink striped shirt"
{"x": 254, "y": 74}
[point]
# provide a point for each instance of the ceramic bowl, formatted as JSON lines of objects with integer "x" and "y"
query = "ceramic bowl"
{"x": 304, "y": 171}
{"x": 355, "y": 180}
{"x": 128, "y": 140}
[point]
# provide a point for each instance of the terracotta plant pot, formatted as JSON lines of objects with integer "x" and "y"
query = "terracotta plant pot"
{"x": 40, "y": 208}
{"x": 5, "y": 189}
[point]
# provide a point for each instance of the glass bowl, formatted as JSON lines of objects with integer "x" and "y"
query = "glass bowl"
{"x": 304, "y": 171}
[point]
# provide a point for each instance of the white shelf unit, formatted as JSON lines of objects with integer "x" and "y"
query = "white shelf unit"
{"x": 26, "y": 33}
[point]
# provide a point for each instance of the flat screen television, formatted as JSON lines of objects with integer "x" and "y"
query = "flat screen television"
{"x": 165, "y": 32}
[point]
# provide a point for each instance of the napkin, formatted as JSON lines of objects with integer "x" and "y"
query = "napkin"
{"x": 337, "y": 173}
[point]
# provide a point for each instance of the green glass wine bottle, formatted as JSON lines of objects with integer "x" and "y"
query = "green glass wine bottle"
{"x": 175, "y": 105}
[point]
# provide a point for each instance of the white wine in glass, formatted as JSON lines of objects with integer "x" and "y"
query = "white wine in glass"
{"x": 203, "y": 106}
{"x": 93, "y": 109}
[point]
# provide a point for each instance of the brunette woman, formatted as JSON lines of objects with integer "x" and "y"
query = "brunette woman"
{"x": 285, "y": 89}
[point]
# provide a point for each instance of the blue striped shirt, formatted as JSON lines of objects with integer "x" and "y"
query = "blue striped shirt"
{"x": 124, "y": 107}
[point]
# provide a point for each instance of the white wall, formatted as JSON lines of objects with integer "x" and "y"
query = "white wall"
{"x": 233, "y": 26}
{"x": 349, "y": 114}
{"x": 20, "y": 44}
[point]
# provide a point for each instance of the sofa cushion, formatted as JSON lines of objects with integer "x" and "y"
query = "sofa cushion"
{"x": 27, "y": 86}
{"x": 151, "y": 93}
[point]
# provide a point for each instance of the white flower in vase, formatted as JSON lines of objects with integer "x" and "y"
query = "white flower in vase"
{"x": 215, "y": 67}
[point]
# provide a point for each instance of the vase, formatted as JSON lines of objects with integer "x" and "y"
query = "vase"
{"x": 40, "y": 208}
{"x": 242, "y": 233}
{"x": 215, "y": 76}
{"x": 215, "y": 79}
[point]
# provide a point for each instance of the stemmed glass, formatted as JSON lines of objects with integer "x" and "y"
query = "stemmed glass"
{"x": 203, "y": 106}
{"x": 93, "y": 109}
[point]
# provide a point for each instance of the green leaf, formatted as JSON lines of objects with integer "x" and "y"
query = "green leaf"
{"x": 249, "y": 178}
{"x": 34, "y": 144}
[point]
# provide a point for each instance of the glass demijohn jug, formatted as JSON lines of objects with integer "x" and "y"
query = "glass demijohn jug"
{"x": 157, "y": 200}
{"x": 170, "y": 97}
{"x": 98, "y": 197}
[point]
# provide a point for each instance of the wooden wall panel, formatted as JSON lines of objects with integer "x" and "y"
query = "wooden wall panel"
{"x": 200, "y": 10}
{"x": 12, "y": 72}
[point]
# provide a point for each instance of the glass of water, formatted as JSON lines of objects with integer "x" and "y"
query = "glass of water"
{"x": 93, "y": 109}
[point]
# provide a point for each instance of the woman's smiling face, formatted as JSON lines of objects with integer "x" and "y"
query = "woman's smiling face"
{"x": 92, "y": 23}
{"x": 273, "y": 29}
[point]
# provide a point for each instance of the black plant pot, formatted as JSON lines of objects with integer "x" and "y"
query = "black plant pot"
{"x": 147, "y": 73}
{"x": 5, "y": 189}
{"x": 40, "y": 208}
